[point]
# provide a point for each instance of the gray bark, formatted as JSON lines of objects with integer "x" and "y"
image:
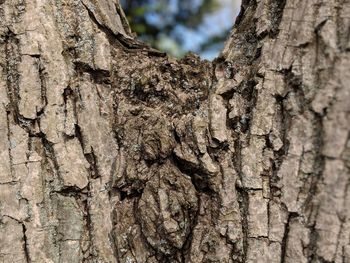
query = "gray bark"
{"x": 113, "y": 152}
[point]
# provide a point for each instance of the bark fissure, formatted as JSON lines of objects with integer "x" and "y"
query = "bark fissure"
{"x": 25, "y": 245}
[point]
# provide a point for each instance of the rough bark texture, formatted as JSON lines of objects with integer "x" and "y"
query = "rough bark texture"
{"x": 113, "y": 152}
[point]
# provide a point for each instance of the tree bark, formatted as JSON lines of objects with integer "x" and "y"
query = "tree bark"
{"x": 113, "y": 152}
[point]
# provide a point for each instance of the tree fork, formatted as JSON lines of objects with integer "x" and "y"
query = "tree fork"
{"x": 114, "y": 152}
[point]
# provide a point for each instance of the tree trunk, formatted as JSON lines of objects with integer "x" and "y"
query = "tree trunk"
{"x": 113, "y": 152}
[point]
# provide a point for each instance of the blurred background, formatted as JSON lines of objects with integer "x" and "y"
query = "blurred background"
{"x": 179, "y": 26}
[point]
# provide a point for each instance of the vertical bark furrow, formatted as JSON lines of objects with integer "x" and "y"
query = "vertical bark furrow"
{"x": 25, "y": 245}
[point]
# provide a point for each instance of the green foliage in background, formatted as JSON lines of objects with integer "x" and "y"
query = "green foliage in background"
{"x": 162, "y": 23}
